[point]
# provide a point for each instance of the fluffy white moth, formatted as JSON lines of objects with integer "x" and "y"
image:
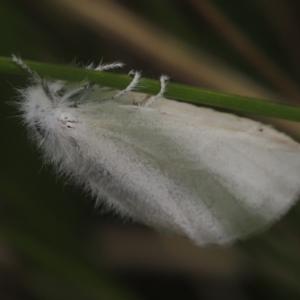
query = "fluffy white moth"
{"x": 210, "y": 176}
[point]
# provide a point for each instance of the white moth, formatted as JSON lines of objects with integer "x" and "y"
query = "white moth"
{"x": 209, "y": 176}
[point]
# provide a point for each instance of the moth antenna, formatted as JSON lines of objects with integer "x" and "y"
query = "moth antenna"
{"x": 19, "y": 62}
{"x": 35, "y": 76}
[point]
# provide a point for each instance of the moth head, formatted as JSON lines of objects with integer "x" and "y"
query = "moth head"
{"x": 37, "y": 105}
{"x": 46, "y": 93}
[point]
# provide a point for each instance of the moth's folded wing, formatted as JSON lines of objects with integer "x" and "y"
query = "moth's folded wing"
{"x": 211, "y": 179}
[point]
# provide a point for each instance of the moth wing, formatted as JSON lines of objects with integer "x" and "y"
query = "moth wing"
{"x": 209, "y": 176}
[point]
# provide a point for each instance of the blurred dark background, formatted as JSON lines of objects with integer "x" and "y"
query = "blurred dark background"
{"x": 53, "y": 243}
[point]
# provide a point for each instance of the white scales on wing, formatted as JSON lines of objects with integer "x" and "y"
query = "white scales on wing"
{"x": 210, "y": 176}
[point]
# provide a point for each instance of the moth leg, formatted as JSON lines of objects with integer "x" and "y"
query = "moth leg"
{"x": 163, "y": 84}
{"x": 77, "y": 90}
{"x": 132, "y": 84}
{"x": 87, "y": 85}
{"x": 100, "y": 67}
{"x": 105, "y": 67}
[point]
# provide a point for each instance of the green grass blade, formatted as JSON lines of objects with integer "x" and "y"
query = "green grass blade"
{"x": 175, "y": 91}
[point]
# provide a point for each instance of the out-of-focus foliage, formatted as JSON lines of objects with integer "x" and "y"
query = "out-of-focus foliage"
{"x": 54, "y": 244}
